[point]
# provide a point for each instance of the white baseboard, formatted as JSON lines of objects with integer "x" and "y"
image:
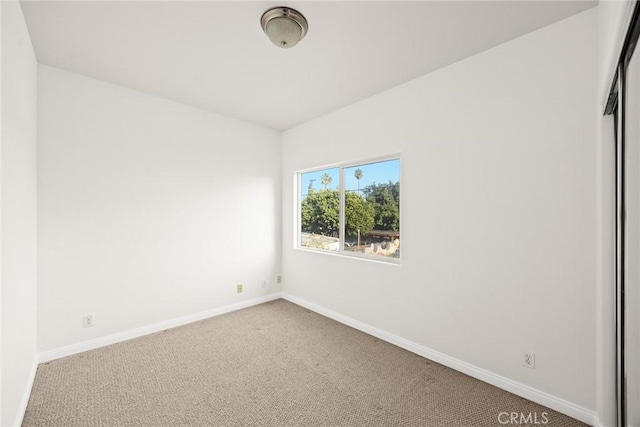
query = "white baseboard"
{"x": 575, "y": 411}
{"x": 599, "y": 423}
{"x": 27, "y": 392}
{"x": 58, "y": 353}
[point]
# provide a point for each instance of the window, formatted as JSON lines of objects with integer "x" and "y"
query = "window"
{"x": 351, "y": 209}
{"x": 320, "y": 209}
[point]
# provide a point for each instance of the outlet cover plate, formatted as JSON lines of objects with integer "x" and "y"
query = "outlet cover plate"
{"x": 529, "y": 359}
{"x": 87, "y": 321}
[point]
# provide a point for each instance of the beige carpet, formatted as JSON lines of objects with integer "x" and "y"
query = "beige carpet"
{"x": 275, "y": 364}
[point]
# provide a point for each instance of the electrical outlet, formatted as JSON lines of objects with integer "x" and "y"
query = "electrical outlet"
{"x": 279, "y": 279}
{"x": 239, "y": 288}
{"x": 529, "y": 359}
{"x": 264, "y": 283}
{"x": 87, "y": 321}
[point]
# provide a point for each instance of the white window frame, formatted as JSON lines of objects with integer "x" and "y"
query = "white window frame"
{"x": 341, "y": 167}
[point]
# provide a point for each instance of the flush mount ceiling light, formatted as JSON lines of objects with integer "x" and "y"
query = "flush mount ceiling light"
{"x": 284, "y": 26}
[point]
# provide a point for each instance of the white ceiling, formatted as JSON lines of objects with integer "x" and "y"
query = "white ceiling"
{"x": 214, "y": 55}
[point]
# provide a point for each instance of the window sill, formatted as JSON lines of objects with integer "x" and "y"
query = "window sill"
{"x": 353, "y": 255}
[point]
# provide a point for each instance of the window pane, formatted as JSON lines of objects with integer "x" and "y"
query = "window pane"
{"x": 372, "y": 208}
{"x": 320, "y": 209}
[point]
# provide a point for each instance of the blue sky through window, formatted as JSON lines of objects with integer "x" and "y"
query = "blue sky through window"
{"x": 379, "y": 172}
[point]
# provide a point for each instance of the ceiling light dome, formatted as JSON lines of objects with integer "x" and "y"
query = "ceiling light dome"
{"x": 285, "y": 27}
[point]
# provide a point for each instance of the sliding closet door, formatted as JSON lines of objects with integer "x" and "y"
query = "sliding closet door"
{"x": 624, "y": 104}
{"x": 631, "y": 99}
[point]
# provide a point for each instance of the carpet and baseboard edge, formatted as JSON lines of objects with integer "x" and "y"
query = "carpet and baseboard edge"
{"x": 575, "y": 411}
{"x": 58, "y": 353}
{"x": 27, "y": 392}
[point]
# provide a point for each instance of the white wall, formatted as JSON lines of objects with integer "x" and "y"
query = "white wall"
{"x": 499, "y": 210}
{"x": 148, "y": 210}
{"x": 1, "y": 114}
{"x": 613, "y": 19}
{"x": 18, "y": 214}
